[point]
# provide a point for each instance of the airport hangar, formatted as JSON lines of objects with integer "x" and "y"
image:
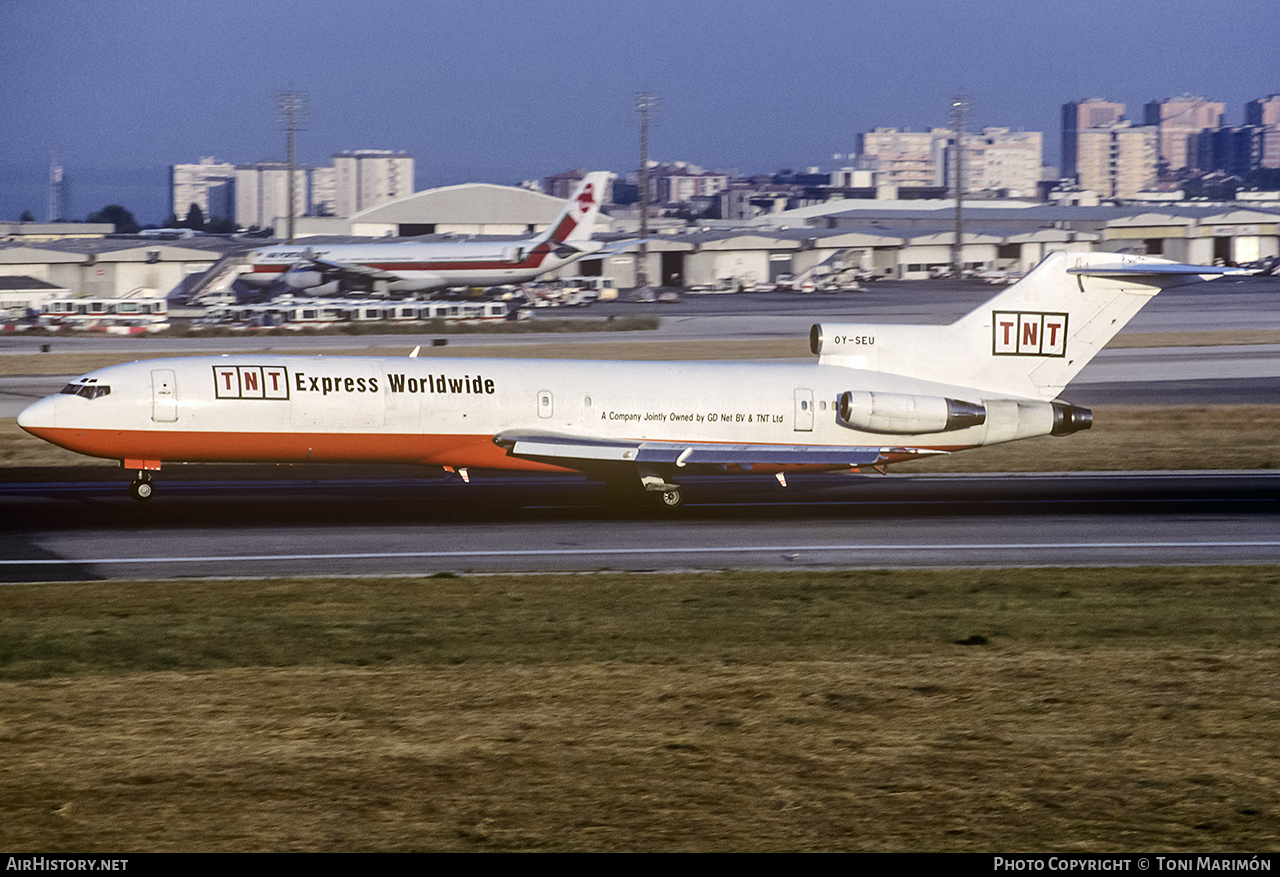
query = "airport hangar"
{"x": 901, "y": 240}
{"x": 890, "y": 239}
{"x": 910, "y": 244}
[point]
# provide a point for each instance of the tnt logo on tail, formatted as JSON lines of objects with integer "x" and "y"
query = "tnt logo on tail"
{"x": 1022, "y": 333}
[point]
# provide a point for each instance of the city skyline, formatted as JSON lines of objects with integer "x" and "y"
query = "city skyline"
{"x": 118, "y": 91}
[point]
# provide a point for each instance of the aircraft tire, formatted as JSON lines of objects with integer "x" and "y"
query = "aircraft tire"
{"x": 669, "y": 500}
{"x": 142, "y": 489}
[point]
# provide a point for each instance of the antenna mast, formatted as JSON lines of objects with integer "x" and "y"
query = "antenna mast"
{"x": 293, "y": 115}
{"x": 961, "y": 106}
{"x": 646, "y": 106}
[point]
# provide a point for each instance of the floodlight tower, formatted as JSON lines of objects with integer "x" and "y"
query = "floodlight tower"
{"x": 58, "y": 200}
{"x": 292, "y": 107}
{"x": 961, "y": 106}
{"x": 646, "y": 107}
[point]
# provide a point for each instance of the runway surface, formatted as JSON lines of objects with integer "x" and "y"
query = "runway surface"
{"x": 92, "y": 530}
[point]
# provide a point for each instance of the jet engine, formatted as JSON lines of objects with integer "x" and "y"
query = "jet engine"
{"x": 303, "y": 278}
{"x": 1068, "y": 418}
{"x": 903, "y": 414}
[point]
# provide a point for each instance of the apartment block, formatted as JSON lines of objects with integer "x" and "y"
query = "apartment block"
{"x": 1180, "y": 120}
{"x": 262, "y": 194}
{"x": 995, "y": 160}
{"x": 1239, "y": 151}
{"x": 1118, "y": 160}
{"x": 902, "y": 158}
{"x": 209, "y": 184}
{"x": 368, "y": 177}
{"x": 1093, "y": 112}
{"x": 1263, "y": 111}
{"x": 679, "y": 182}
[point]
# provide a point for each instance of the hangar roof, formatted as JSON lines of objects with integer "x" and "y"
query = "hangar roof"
{"x": 22, "y": 283}
{"x": 467, "y": 204}
{"x": 123, "y": 249}
{"x": 1047, "y": 215}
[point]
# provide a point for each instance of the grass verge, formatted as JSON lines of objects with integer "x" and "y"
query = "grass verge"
{"x": 980, "y": 710}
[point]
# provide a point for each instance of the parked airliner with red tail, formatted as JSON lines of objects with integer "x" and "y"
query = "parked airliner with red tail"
{"x": 421, "y": 266}
{"x": 878, "y": 394}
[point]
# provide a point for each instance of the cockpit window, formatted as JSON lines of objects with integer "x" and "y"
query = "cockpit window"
{"x": 89, "y": 391}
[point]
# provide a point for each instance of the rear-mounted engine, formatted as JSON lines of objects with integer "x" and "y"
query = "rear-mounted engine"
{"x": 904, "y": 414}
{"x": 1068, "y": 418}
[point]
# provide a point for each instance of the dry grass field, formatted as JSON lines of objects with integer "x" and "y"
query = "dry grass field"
{"x": 976, "y": 710}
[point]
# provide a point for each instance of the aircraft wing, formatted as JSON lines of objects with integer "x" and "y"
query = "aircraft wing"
{"x": 575, "y": 452}
{"x": 352, "y": 269}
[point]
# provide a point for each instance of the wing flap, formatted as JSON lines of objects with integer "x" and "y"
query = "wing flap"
{"x": 568, "y": 450}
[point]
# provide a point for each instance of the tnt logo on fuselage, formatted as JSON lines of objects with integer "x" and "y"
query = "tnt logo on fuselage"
{"x": 251, "y": 382}
{"x": 1022, "y": 333}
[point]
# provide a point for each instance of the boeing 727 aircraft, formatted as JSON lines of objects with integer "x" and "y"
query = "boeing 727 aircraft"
{"x": 418, "y": 266}
{"x": 878, "y": 394}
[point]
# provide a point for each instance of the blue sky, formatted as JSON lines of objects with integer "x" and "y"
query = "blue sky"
{"x": 118, "y": 90}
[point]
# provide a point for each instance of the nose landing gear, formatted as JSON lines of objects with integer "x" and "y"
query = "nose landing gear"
{"x": 141, "y": 488}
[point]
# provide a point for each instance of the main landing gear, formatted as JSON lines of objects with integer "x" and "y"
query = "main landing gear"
{"x": 142, "y": 488}
{"x": 668, "y": 500}
{"x": 629, "y": 493}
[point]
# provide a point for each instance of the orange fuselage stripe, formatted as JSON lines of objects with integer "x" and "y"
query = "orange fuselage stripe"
{"x": 178, "y": 446}
{"x": 286, "y": 447}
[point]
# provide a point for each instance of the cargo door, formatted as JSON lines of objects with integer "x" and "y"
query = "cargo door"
{"x": 804, "y": 410}
{"x": 164, "y": 396}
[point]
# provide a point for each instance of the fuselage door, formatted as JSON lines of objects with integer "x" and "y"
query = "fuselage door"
{"x": 804, "y": 410}
{"x": 164, "y": 396}
{"x": 545, "y": 403}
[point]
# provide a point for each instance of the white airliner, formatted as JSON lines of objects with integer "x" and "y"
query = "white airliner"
{"x": 419, "y": 266}
{"x": 878, "y": 394}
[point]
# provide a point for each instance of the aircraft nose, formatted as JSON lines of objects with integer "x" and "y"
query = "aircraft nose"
{"x": 39, "y": 415}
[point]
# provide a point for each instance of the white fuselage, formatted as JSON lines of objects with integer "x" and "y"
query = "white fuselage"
{"x": 447, "y": 411}
{"x": 415, "y": 266}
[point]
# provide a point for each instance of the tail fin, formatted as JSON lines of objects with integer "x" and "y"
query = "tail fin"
{"x": 578, "y": 217}
{"x": 1030, "y": 340}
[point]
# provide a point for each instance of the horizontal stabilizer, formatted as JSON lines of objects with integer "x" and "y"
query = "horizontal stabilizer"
{"x": 613, "y": 248}
{"x": 1154, "y": 270}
